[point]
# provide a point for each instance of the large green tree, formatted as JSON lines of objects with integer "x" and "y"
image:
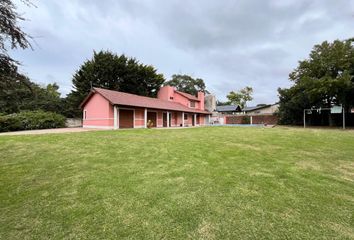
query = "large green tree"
{"x": 240, "y": 97}
{"x": 325, "y": 79}
{"x": 21, "y": 94}
{"x": 11, "y": 37}
{"x": 187, "y": 84}
{"x": 115, "y": 72}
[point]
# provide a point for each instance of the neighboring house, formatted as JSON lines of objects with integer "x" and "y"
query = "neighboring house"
{"x": 219, "y": 112}
{"x": 109, "y": 109}
{"x": 261, "y": 114}
{"x": 261, "y": 109}
{"x": 228, "y": 109}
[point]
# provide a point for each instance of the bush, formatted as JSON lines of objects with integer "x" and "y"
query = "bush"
{"x": 246, "y": 120}
{"x": 31, "y": 120}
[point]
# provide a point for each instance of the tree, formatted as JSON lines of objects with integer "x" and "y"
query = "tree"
{"x": 240, "y": 97}
{"x": 187, "y": 84}
{"x": 22, "y": 94}
{"x": 221, "y": 103}
{"x": 110, "y": 71}
{"x": 14, "y": 86}
{"x": 11, "y": 35}
{"x": 325, "y": 79}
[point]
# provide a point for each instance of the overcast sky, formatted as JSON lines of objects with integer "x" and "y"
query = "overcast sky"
{"x": 230, "y": 44}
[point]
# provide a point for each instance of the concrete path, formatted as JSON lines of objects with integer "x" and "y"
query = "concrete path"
{"x": 45, "y": 131}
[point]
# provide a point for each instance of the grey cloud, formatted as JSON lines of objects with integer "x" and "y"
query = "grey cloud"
{"x": 230, "y": 44}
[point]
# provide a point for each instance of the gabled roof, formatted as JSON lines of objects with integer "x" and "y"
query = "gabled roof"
{"x": 248, "y": 109}
{"x": 187, "y": 95}
{"x": 127, "y": 99}
{"x": 228, "y": 108}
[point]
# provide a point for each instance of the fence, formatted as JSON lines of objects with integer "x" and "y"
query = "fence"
{"x": 267, "y": 119}
{"x": 73, "y": 122}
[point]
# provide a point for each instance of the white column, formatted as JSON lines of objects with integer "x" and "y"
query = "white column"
{"x": 133, "y": 118}
{"x": 145, "y": 118}
{"x": 168, "y": 119}
{"x": 251, "y": 120}
{"x": 115, "y": 119}
{"x": 182, "y": 119}
{"x": 195, "y": 119}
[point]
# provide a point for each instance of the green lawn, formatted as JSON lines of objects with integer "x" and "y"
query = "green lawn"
{"x": 201, "y": 183}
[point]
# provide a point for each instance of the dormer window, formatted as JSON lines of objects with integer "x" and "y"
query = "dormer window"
{"x": 192, "y": 104}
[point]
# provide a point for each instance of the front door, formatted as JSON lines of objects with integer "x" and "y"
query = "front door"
{"x": 126, "y": 118}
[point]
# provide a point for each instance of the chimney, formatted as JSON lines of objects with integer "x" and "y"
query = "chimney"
{"x": 201, "y": 100}
{"x": 166, "y": 93}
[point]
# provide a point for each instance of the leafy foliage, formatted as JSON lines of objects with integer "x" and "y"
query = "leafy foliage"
{"x": 120, "y": 73}
{"x": 20, "y": 94}
{"x": 326, "y": 78}
{"x": 29, "y": 120}
{"x": 240, "y": 97}
{"x": 11, "y": 36}
{"x": 221, "y": 103}
{"x": 187, "y": 84}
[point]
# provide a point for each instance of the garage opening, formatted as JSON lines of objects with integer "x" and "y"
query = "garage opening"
{"x": 152, "y": 116}
{"x": 126, "y": 118}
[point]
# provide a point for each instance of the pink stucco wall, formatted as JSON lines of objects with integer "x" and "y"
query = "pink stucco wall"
{"x": 165, "y": 93}
{"x": 98, "y": 112}
{"x": 181, "y": 99}
{"x": 201, "y": 97}
{"x": 139, "y": 117}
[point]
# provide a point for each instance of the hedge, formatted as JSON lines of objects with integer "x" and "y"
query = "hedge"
{"x": 28, "y": 120}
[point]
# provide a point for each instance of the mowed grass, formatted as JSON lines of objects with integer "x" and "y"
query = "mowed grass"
{"x": 200, "y": 183}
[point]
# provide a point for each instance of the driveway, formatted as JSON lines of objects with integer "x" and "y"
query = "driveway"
{"x": 45, "y": 131}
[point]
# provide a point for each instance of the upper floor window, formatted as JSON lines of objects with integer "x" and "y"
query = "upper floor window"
{"x": 192, "y": 104}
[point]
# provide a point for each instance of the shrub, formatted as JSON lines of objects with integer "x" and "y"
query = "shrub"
{"x": 31, "y": 120}
{"x": 246, "y": 120}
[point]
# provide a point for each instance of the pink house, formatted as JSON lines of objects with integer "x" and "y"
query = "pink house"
{"x": 109, "y": 109}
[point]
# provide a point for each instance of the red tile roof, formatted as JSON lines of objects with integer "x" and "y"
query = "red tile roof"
{"x": 127, "y": 99}
{"x": 187, "y": 95}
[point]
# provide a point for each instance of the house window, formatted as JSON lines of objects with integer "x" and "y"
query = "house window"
{"x": 192, "y": 104}
{"x": 84, "y": 114}
{"x": 185, "y": 116}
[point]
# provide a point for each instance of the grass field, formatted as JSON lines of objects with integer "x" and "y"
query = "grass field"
{"x": 201, "y": 183}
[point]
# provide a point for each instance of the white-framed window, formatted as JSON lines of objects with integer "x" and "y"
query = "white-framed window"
{"x": 185, "y": 116}
{"x": 192, "y": 104}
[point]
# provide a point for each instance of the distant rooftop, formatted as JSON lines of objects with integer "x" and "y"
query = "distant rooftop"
{"x": 228, "y": 108}
{"x": 248, "y": 109}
